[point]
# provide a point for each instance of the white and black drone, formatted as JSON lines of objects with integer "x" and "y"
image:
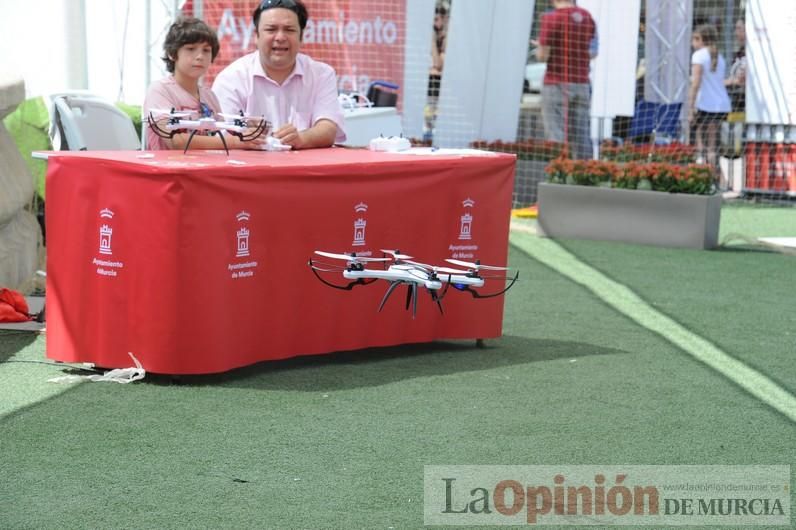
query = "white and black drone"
{"x": 399, "y": 269}
{"x": 167, "y": 123}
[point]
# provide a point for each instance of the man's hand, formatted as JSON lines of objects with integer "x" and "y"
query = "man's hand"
{"x": 289, "y": 135}
{"x": 319, "y": 135}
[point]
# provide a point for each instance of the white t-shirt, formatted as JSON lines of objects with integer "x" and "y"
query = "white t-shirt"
{"x": 712, "y": 95}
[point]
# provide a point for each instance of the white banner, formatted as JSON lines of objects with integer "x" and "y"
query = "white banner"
{"x": 770, "y": 52}
{"x": 484, "y": 70}
{"x": 614, "y": 69}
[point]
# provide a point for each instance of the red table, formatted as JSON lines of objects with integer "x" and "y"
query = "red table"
{"x": 198, "y": 263}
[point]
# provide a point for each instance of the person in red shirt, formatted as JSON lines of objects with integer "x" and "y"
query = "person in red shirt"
{"x": 566, "y": 43}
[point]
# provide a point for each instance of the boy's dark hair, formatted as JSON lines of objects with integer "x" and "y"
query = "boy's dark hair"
{"x": 297, "y": 6}
{"x": 187, "y": 30}
{"x": 440, "y": 10}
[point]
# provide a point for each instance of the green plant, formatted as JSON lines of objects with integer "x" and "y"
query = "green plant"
{"x": 530, "y": 149}
{"x": 674, "y": 153}
{"x": 656, "y": 176}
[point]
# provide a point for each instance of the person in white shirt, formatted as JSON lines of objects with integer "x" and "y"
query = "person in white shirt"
{"x": 708, "y": 100}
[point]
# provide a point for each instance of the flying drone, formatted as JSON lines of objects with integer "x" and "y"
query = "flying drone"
{"x": 399, "y": 269}
{"x": 177, "y": 122}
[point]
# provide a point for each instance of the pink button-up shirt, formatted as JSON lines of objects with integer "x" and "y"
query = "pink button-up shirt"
{"x": 309, "y": 94}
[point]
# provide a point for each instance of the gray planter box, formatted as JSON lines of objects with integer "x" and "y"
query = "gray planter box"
{"x": 631, "y": 216}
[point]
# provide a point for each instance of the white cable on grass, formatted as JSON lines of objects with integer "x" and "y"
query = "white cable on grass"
{"x": 118, "y": 375}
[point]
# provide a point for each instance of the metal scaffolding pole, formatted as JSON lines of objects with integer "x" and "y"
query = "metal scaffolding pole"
{"x": 667, "y": 50}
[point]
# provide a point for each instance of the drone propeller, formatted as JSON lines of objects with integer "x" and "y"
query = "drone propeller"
{"x": 238, "y": 116}
{"x": 349, "y": 257}
{"x": 475, "y": 266}
{"x": 173, "y": 113}
{"x": 396, "y": 254}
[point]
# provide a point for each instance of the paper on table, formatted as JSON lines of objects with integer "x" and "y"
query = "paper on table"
{"x": 433, "y": 151}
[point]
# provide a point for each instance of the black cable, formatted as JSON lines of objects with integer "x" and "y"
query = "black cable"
{"x": 51, "y": 363}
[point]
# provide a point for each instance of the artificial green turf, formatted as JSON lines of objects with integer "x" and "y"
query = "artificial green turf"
{"x": 340, "y": 441}
{"x": 757, "y": 220}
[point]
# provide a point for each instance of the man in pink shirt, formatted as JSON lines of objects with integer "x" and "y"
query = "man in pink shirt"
{"x": 297, "y": 94}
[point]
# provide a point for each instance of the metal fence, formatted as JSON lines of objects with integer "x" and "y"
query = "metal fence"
{"x": 755, "y": 161}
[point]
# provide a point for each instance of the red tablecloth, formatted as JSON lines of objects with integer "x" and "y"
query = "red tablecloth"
{"x": 198, "y": 263}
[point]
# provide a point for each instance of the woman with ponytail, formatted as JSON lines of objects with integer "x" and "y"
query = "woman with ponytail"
{"x": 708, "y": 100}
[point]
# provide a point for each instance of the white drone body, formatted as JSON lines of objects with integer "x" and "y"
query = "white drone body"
{"x": 399, "y": 273}
{"x": 203, "y": 125}
{"x": 392, "y": 144}
{"x": 402, "y": 271}
{"x": 168, "y": 123}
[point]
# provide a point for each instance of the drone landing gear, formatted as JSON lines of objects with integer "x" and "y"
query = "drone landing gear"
{"x": 212, "y": 133}
{"x": 411, "y": 295}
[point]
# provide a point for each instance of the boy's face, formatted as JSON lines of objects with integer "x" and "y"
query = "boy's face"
{"x": 194, "y": 59}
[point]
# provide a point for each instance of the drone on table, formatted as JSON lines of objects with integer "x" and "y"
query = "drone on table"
{"x": 399, "y": 269}
{"x": 171, "y": 122}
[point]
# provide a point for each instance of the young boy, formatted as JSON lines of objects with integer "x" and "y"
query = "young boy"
{"x": 189, "y": 49}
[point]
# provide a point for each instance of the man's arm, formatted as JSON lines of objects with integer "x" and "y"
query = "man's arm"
{"x": 543, "y": 43}
{"x": 542, "y": 53}
{"x": 326, "y": 114}
{"x": 321, "y": 134}
{"x": 594, "y": 44}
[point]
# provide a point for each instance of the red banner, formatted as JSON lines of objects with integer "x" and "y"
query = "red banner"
{"x": 770, "y": 167}
{"x": 362, "y": 40}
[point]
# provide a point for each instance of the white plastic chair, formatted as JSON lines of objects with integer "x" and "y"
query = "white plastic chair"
{"x": 85, "y": 122}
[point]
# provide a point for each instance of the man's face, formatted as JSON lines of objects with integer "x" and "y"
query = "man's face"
{"x": 278, "y": 39}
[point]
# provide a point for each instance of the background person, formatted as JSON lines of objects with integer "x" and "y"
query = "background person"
{"x": 188, "y": 50}
{"x": 438, "y": 41}
{"x": 707, "y": 98}
{"x": 736, "y": 81}
{"x": 567, "y": 44}
{"x": 297, "y": 94}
